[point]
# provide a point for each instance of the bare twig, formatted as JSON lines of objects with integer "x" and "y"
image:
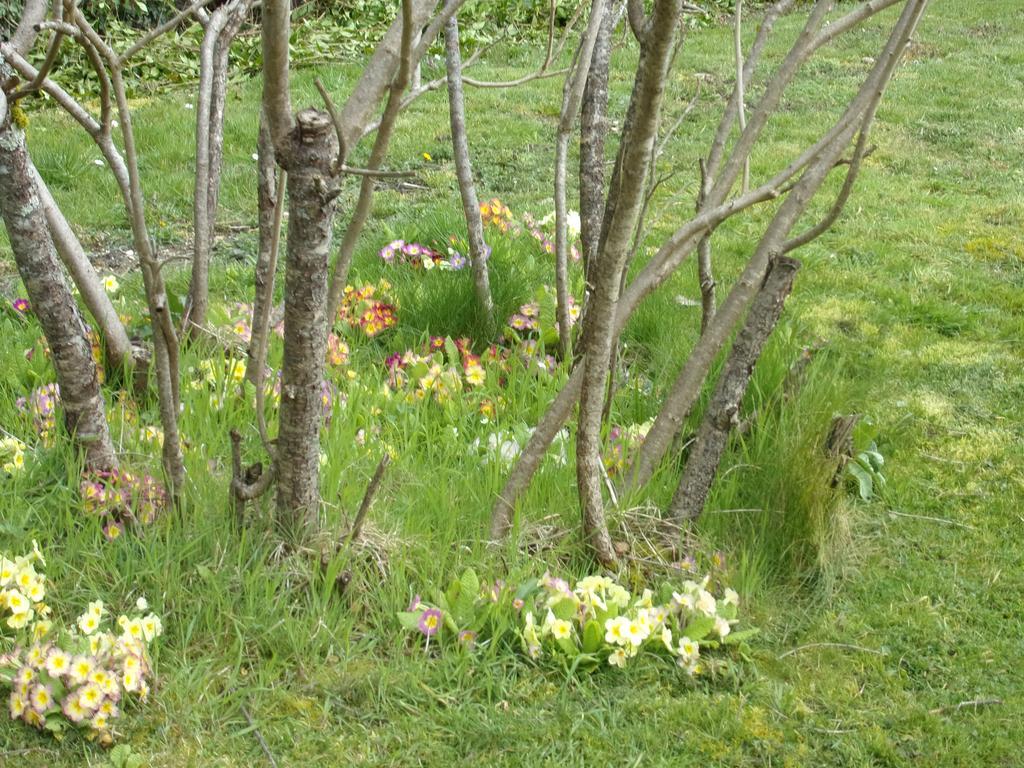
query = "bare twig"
{"x": 371, "y": 492}
{"x": 973, "y": 703}
{"x": 840, "y": 646}
{"x": 259, "y": 736}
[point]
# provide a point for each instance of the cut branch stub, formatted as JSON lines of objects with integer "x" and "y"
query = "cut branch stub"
{"x": 309, "y": 155}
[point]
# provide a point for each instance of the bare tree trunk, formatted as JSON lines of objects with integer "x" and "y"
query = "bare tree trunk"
{"x": 635, "y": 152}
{"x": 593, "y": 131}
{"x": 722, "y": 413}
{"x": 52, "y": 301}
{"x": 266, "y": 258}
{"x": 385, "y": 129}
{"x": 705, "y": 272}
{"x": 312, "y": 189}
{"x": 117, "y": 345}
{"x": 221, "y": 27}
{"x": 572, "y": 99}
{"x": 464, "y": 171}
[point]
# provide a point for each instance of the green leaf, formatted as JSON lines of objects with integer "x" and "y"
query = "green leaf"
{"x": 864, "y": 481}
{"x": 465, "y": 600}
{"x": 451, "y": 350}
{"x": 564, "y": 609}
{"x": 591, "y": 637}
{"x": 699, "y": 627}
{"x": 735, "y": 638}
{"x": 409, "y": 619}
{"x": 568, "y": 646}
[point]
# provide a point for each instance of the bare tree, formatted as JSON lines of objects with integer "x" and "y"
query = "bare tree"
{"x": 464, "y": 172}
{"x": 314, "y": 157}
{"x": 220, "y": 28}
{"x": 51, "y": 298}
{"x": 606, "y": 318}
{"x": 109, "y": 65}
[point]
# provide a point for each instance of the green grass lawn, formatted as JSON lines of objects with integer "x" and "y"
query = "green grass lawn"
{"x": 879, "y": 618}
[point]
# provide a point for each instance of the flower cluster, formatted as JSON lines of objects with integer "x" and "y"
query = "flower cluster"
{"x": 595, "y": 622}
{"x": 623, "y": 443}
{"x": 217, "y": 378}
{"x": 412, "y": 254}
{"x": 528, "y": 318}
{"x": 503, "y": 447}
{"x": 439, "y": 372}
{"x": 12, "y": 455}
{"x": 369, "y": 308}
{"x": 547, "y": 245}
{"x": 466, "y": 611}
{"x": 41, "y": 405}
{"x": 496, "y": 214}
{"x": 81, "y": 675}
{"x": 119, "y": 498}
{"x": 600, "y": 620}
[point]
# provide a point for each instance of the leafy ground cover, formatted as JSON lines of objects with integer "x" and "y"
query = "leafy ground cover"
{"x": 879, "y": 619}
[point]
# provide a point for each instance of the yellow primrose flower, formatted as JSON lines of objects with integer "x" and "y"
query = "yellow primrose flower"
{"x": 26, "y": 577}
{"x": 58, "y": 662}
{"x": 88, "y": 623}
{"x": 16, "y": 602}
{"x": 706, "y": 603}
{"x": 36, "y": 657}
{"x": 99, "y": 722}
{"x": 130, "y": 681}
{"x": 41, "y": 629}
{"x": 561, "y": 629}
{"x": 80, "y": 670}
{"x": 17, "y": 706}
{"x": 6, "y": 571}
{"x": 19, "y": 621}
{"x": 90, "y": 697}
{"x": 731, "y": 597}
{"x": 110, "y": 284}
{"x": 688, "y": 649}
{"x": 616, "y": 630}
{"x": 96, "y": 609}
{"x": 36, "y": 592}
{"x": 636, "y": 632}
{"x": 42, "y": 698}
{"x": 618, "y": 658}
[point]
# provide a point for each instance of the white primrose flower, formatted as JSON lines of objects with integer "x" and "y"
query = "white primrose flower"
{"x": 731, "y": 597}
{"x": 706, "y": 603}
{"x": 722, "y": 627}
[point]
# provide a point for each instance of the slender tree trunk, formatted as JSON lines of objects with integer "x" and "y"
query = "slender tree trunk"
{"x": 266, "y": 262}
{"x": 464, "y": 171}
{"x": 221, "y": 27}
{"x": 705, "y": 272}
{"x": 312, "y": 189}
{"x": 51, "y": 298}
{"x": 572, "y": 100}
{"x": 343, "y": 261}
{"x": 634, "y": 159}
{"x": 117, "y": 345}
{"x": 593, "y": 131}
{"x": 722, "y": 414}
